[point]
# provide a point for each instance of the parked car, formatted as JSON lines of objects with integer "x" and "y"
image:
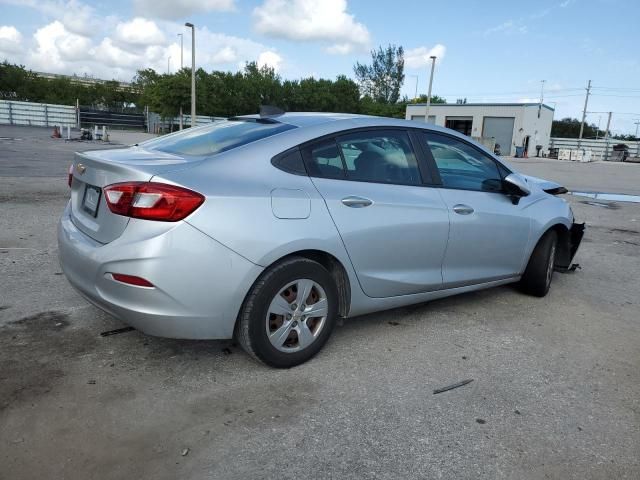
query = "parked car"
{"x": 267, "y": 229}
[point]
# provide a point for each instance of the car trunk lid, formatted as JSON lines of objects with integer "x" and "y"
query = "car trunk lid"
{"x": 94, "y": 170}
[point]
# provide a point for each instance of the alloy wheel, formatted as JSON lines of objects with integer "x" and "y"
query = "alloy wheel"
{"x": 297, "y": 315}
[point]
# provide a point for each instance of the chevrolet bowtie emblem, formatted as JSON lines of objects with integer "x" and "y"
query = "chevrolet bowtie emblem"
{"x": 81, "y": 168}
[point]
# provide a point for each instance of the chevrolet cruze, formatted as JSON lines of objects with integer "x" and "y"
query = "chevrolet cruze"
{"x": 267, "y": 228}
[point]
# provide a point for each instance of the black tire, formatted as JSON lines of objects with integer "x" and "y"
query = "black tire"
{"x": 539, "y": 272}
{"x": 251, "y": 327}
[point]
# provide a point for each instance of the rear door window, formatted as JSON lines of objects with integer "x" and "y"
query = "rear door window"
{"x": 217, "y": 137}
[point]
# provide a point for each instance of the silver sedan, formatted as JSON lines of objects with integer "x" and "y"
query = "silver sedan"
{"x": 267, "y": 228}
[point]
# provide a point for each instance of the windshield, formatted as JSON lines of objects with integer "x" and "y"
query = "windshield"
{"x": 217, "y": 137}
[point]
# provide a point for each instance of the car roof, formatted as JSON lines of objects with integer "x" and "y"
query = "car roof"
{"x": 307, "y": 119}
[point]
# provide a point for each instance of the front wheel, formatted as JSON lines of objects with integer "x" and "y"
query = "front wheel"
{"x": 289, "y": 313}
{"x": 536, "y": 279}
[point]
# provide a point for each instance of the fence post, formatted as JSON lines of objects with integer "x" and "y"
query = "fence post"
{"x": 46, "y": 115}
{"x": 10, "y": 114}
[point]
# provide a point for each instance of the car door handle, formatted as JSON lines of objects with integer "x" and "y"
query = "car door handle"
{"x": 356, "y": 202}
{"x": 462, "y": 209}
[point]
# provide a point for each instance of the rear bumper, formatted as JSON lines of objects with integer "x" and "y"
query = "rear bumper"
{"x": 199, "y": 284}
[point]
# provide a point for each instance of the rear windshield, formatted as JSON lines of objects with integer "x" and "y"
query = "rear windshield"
{"x": 217, "y": 137}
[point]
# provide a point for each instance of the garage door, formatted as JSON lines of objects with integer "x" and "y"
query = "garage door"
{"x": 500, "y": 128}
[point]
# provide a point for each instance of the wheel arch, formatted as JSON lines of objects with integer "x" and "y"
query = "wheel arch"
{"x": 332, "y": 264}
{"x": 563, "y": 247}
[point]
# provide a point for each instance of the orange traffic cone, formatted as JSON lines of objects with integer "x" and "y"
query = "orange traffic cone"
{"x": 56, "y": 132}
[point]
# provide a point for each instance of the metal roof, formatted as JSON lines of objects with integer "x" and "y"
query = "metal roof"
{"x": 434, "y": 105}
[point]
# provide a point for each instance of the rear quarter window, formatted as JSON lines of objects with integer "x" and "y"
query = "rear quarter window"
{"x": 218, "y": 137}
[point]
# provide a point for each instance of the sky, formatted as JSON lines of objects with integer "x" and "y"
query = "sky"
{"x": 490, "y": 51}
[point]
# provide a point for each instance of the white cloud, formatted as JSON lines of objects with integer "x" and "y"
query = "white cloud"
{"x": 419, "y": 57}
{"x": 54, "y": 45}
{"x": 325, "y": 21}
{"x": 217, "y": 50}
{"x": 270, "y": 59}
{"x": 139, "y": 32}
{"x": 10, "y": 39}
{"x": 119, "y": 47}
{"x": 508, "y": 28}
{"x": 176, "y": 9}
{"x": 77, "y": 17}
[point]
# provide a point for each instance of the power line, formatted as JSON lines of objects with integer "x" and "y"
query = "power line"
{"x": 611, "y": 95}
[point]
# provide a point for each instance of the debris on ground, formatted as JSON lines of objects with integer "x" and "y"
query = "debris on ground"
{"x": 116, "y": 331}
{"x": 185, "y": 452}
{"x": 451, "y": 387}
{"x": 481, "y": 421}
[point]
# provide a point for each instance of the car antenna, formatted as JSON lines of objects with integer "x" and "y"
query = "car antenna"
{"x": 270, "y": 111}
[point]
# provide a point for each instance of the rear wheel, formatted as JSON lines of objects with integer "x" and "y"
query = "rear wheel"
{"x": 289, "y": 313}
{"x": 539, "y": 272}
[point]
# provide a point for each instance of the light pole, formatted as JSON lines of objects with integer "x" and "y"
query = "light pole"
{"x": 193, "y": 73}
{"x": 181, "y": 35}
{"x": 433, "y": 66}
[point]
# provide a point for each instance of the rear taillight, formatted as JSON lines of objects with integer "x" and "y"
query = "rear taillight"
{"x": 70, "y": 177}
{"x": 152, "y": 201}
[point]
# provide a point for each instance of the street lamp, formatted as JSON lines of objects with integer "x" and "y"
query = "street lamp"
{"x": 193, "y": 73}
{"x": 433, "y": 66}
{"x": 181, "y": 35}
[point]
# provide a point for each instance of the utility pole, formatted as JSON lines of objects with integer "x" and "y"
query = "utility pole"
{"x": 637, "y": 123}
{"x": 181, "y": 35}
{"x": 584, "y": 113}
{"x": 606, "y": 137}
{"x": 606, "y": 134}
{"x": 541, "y": 98}
{"x": 433, "y": 66}
{"x": 193, "y": 73}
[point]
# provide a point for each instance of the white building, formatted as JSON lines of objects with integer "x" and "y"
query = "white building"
{"x": 510, "y": 125}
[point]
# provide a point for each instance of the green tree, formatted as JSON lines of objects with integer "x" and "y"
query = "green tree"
{"x": 570, "y": 128}
{"x": 383, "y": 79}
{"x": 423, "y": 99}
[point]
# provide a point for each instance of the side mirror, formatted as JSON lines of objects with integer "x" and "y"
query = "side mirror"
{"x": 516, "y": 185}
